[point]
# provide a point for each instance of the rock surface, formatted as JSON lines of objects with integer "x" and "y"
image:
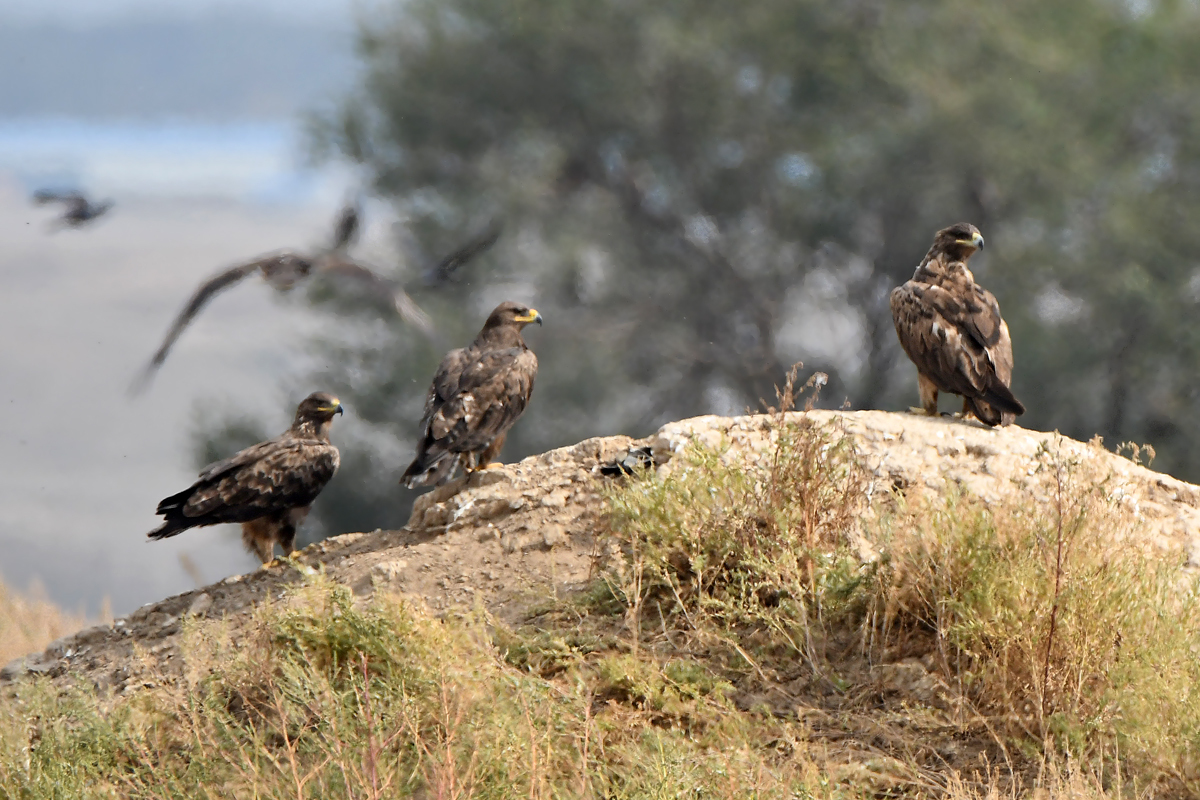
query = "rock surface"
{"x": 508, "y": 538}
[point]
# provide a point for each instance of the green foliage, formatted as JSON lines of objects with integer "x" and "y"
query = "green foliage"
{"x": 697, "y": 194}
{"x": 330, "y": 699}
{"x": 723, "y": 548}
{"x": 1043, "y": 617}
{"x": 1054, "y": 619}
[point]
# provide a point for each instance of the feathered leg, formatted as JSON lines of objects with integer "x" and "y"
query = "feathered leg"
{"x": 929, "y": 396}
{"x": 287, "y": 539}
{"x": 258, "y": 535}
{"x": 487, "y": 459}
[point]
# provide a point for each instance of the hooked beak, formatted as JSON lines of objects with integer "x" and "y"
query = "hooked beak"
{"x": 975, "y": 241}
{"x": 531, "y": 316}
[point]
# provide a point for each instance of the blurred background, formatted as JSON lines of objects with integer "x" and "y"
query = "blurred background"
{"x": 695, "y": 195}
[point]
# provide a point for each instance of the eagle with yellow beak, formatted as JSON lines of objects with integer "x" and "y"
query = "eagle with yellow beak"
{"x": 268, "y": 487}
{"x": 478, "y": 393}
{"x": 952, "y": 330}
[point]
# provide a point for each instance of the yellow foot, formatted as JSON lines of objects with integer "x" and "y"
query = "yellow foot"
{"x": 919, "y": 410}
{"x": 279, "y": 561}
{"x": 493, "y": 465}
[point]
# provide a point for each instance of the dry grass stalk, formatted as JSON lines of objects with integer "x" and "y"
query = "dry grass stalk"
{"x": 29, "y": 622}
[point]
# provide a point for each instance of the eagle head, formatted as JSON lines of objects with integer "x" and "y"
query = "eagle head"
{"x": 510, "y": 313}
{"x": 318, "y": 407}
{"x": 959, "y": 241}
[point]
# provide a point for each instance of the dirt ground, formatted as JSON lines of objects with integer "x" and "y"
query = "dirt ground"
{"x": 511, "y": 538}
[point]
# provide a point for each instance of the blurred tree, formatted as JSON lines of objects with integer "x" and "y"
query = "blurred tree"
{"x": 696, "y": 194}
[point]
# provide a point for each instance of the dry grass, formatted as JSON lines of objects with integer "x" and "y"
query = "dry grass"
{"x": 1036, "y": 631}
{"x": 736, "y": 644}
{"x": 29, "y": 622}
{"x": 331, "y": 700}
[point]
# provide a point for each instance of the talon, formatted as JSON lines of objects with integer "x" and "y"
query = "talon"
{"x": 493, "y": 465}
{"x": 919, "y": 410}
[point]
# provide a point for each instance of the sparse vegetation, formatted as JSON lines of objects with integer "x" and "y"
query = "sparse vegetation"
{"x": 761, "y": 629}
{"x": 29, "y": 622}
{"x": 1039, "y": 625}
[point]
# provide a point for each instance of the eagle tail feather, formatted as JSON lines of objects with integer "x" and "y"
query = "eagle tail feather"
{"x": 172, "y": 527}
{"x": 175, "y": 522}
{"x": 1002, "y": 398}
{"x": 430, "y": 469}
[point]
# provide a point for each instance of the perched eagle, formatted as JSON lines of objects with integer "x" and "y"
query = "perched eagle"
{"x": 952, "y": 330}
{"x": 477, "y": 394}
{"x": 268, "y": 487}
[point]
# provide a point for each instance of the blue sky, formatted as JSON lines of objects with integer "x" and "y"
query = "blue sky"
{"x": 93, "y": 11}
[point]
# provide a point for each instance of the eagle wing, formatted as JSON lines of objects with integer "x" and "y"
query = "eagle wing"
{"x": 200, "y": 298}
{"x": 493, "y": 391}
{"x": 44, "y": 196}
{"x": 445, "y": 268}
{"x": 954, "y": 339}
{"x": 346, "y": 228}
{"x": 390, "y": 291}
{"x": 475, "y": 398}
{"x": 268, "y": 478}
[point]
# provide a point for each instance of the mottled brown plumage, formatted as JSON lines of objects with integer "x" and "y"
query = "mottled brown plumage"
{"x": 952, "y": 330}
{"x": 477, "y": 394}
{"x": 268, "y": 487}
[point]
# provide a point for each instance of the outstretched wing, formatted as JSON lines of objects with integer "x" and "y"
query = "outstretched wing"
{"x": 207, "y": 290}
{"x": 268, "y": 478}
{"x": 390, "y": 291}
{"x": 44, "y": 196}
{"x": 949, "y": 336}
{"x": 346, "y": 228}
{"x": 445, "y": 268}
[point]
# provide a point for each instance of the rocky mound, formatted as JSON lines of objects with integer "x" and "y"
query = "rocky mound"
{"x": 507, "y": 538}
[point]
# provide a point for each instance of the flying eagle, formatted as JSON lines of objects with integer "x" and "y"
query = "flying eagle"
{"x": 268, "y": 487}
{"x": 77, "y": 209}
{"x": 282, "y": 270}
{"x": 952, "y": 330}
{"x": 477, "y": 394}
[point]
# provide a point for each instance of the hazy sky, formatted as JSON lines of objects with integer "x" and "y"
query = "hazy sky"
{"x": 92, "y": 11}
{"x": 192, "y": 121}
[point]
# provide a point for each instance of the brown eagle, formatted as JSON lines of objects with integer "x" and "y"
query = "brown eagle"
{"x": 267, "y": 487}
{"x": 952, "y": 330}
{"x": 282, "y": 270}
{"x": 477, "y": 394}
